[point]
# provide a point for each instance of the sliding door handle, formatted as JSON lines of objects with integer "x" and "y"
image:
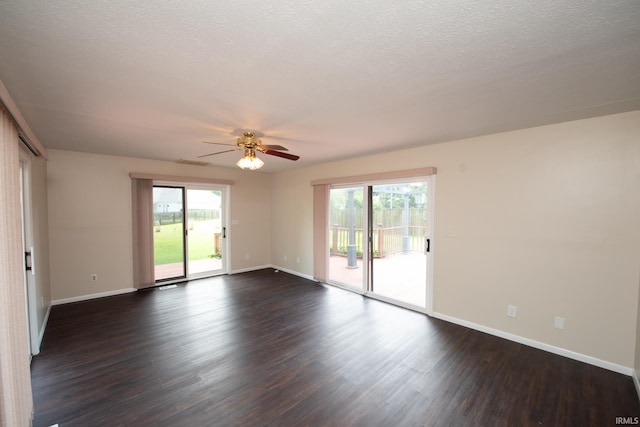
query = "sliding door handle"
{"x": 27, "y": 261}
{"x": 427, "y": 245}
{"x": 224, "y": 232}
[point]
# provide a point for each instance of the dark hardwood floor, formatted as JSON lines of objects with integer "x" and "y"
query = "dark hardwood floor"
{"x": 267, "y": 348}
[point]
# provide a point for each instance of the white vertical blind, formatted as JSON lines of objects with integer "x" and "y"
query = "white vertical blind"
{"x": 320, "y": 231}
{"x": 16, "y": 403}
{"x": 142, "y": 211}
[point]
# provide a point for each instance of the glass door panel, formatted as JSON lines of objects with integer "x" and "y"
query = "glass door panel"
{"x": 399, "y": 215}
{"x": 204, "y": 231}
{"x": 347, "y": 236}
{"x": 168, "y": 236}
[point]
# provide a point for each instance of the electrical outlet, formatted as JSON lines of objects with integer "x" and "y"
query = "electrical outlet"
{"x": 512, "y": 311}
{"x": 298, "y": 260}
{"x": 247, "y": 256}
{"x": 558, "y": 322}
{"x": 94, "y": 277}
{"x": 285, "y": 258}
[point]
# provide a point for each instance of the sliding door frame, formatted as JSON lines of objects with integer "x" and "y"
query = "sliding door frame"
{"x": 226, "y": 241}
{"x": 430, "y": 180}
{"x": 185, "y": 254}
{"x": 26, "y": 205}
{"x": 366, "y": 287}
{"x": 365, "y": 253}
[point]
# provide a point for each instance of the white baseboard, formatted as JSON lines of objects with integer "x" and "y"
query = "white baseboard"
{"x": 43, "y": 326}
{"x": 127, "y": 290}
{"x": 295, "y": 273}
{"x": 636, "y": 382}
{"x": 512, "y": 337}
{"x": 248, "y": 269}
{"x": 92, "y": 296}
{"x": 539, "y": 345}
{"x": 275, "y": 267}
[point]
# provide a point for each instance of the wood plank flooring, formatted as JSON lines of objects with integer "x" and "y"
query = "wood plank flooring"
{"x": 267, "y": 348}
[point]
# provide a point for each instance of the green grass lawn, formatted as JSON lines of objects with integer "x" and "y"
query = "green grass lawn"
{"x": 167, "y": 244}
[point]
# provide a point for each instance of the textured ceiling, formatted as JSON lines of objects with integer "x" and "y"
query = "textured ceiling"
{"x": 328, "y": 79}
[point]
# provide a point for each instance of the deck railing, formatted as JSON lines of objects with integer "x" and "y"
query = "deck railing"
{"x": 386, "y": 240}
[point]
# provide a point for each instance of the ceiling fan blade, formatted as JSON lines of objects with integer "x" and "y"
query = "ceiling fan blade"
{"x": 219, "y": 152}
{"x": 274, "y": 147}
{"x": 281, "y": 138}
{"x": 217, "y": 143}
{"x": 283, "y": 155}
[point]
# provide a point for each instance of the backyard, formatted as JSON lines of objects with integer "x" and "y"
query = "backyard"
{"x": 168, "y": 240}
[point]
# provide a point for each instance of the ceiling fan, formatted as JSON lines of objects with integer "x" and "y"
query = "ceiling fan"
{"x": 250, "y": 144}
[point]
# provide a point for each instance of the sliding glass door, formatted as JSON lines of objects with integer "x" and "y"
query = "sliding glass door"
{"x": 204, "y": 231}
{"x": 168, "y": 237}
{"x": 347, "y": 236}
{"x": 380, "y": 239}
{"x": 189, "y": 232}
{"x": 400, "y": 241}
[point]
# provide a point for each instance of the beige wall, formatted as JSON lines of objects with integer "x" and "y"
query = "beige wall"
{"x": 90, "y": 219}
{"x": 546, "y": 219}
{"x": 292, "y": 222}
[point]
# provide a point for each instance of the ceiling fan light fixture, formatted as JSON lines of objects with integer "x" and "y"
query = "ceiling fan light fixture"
{"x": 250, "y": 161}
{"x": 250, "y": 144}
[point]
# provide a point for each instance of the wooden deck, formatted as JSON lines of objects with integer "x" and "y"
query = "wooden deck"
{"x": 401, "y": 276}
{"x": 266, "y": 348}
